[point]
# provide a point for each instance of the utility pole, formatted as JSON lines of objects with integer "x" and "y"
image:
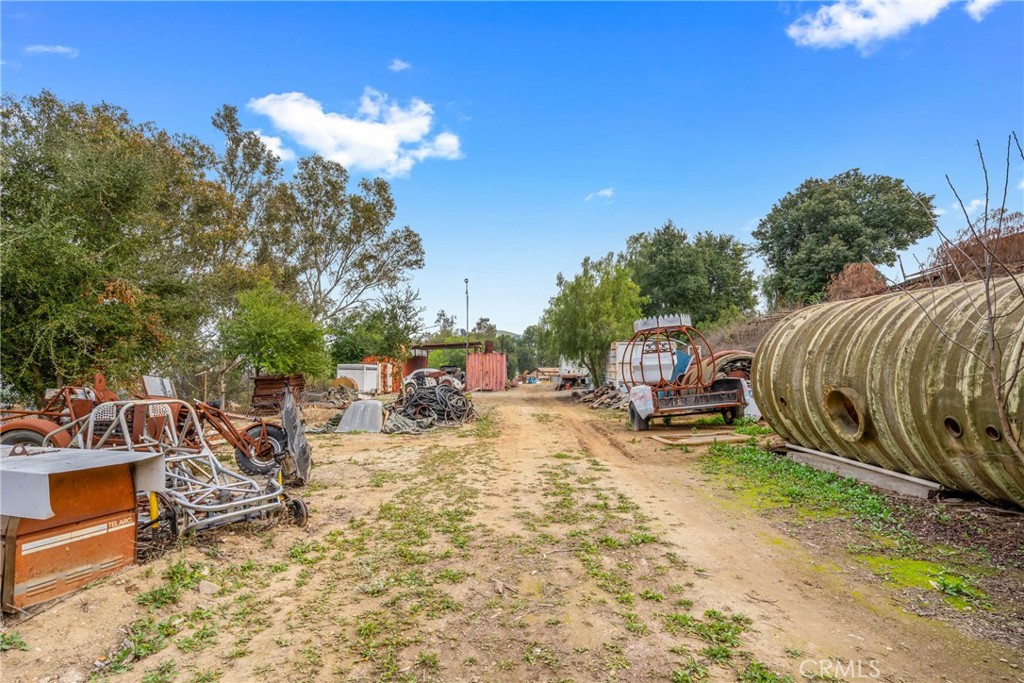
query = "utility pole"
{"x": 467, "y": 325}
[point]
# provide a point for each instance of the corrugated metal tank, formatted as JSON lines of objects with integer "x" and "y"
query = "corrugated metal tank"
{"x": 874, "y": 379}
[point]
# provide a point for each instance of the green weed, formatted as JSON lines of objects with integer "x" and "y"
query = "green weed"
{"x": 11, "y": 640}
{"x": 758, "y": 672}
{"x": 164, "y": 673}
{"x": 782, "y": 482}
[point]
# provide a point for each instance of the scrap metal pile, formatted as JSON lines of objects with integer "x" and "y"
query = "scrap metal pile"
{"x": 426, "y": 406}
{"x": 200, "y": 492}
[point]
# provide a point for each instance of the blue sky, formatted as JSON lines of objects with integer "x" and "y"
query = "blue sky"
{"x": 521, "y": 137}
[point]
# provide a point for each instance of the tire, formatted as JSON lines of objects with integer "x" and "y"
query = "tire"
{"x": 298, "y": 510}
{"x": 22, "y": 436}
{"x": 255, "y": 464}
{"x": 637, "y": 423}
{"x": 730, "y": 415}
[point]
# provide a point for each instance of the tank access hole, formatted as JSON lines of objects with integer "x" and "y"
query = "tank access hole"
{"x": 841, "y": 405}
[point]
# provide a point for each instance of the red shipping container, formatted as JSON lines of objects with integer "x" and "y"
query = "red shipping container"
{"x": 486, "y": 372}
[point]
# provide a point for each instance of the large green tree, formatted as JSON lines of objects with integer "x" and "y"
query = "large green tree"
{"x": 384, "y": 329}
{"x": 703, "y": 277}
{"x": 108, "y": 234}
{"x": 274, "y": 335}
{"x": 815, "y": 230}
{"x": 592, "y": 310}
{"x": 344, "y": 249}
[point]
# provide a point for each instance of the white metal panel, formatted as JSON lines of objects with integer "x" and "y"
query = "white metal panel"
{"x": 366, "y": 376}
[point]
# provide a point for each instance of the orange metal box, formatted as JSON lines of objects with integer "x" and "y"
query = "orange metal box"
{"x": 69, "y": 519}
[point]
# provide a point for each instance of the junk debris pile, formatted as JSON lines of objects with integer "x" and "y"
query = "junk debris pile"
{"x": 603, "y": 397}
{"x": 427, "y": 406}
{"x": 419, "y": 410}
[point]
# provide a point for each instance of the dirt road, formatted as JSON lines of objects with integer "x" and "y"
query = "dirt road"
{"x": 544, "y": 542}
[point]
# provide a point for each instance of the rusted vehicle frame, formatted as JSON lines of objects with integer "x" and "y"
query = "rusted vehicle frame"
{"x": 708, "y": 384}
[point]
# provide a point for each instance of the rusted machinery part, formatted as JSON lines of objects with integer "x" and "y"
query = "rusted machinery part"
{"x": 346, "y": 382}
{"x": 876, "y": 380}
{"x": 32, "y": 431}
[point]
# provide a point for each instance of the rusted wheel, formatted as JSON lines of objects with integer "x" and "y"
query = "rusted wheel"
{"x": 26, "y": 437}
{"x": 265, "y": 461}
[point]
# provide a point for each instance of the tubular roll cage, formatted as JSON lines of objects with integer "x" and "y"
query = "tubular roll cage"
{"x": 203, "y": 492}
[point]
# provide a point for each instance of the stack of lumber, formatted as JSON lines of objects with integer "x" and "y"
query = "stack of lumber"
{"x": 603, "y": 397}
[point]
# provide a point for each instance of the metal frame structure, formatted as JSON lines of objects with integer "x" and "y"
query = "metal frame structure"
{"x": 200, "y": 492}
{"x": 710, "y": 382}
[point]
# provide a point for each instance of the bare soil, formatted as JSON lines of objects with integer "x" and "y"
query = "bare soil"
{"x": 543, "y": 543}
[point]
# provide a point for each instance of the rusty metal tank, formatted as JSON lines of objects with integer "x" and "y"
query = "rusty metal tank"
{"x": 874, "y": 379}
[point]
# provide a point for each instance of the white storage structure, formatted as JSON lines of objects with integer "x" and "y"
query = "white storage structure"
{"x": 365, "y": 375}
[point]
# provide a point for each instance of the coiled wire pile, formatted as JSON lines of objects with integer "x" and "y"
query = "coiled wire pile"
{"x": 445, "y": 404}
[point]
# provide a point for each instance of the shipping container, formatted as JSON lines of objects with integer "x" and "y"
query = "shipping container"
{"x": 486, "y": 372}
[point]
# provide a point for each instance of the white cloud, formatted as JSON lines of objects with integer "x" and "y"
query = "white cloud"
{"x": 401, "y": 65}
{"x": 862, "y": 22}
{"x": 381, "y": 136}
{"x": 972, "y": 207}
{"x": 979, "y": 8}
{"x": 64, "y": 50}
{"x": 606, "y": 193}
{"x": 866, "y": 23}
{"x": 276, "y": 145}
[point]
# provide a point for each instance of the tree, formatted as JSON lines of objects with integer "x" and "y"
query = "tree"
{"x": 343, "y": 245}
{"x": 385, "y": 329}
{"x": 591, "y": 311}
{"x": 485, "y": 329}
{"x": 812, "y": 232}
{"x": 445, "y": 324}
{"x": 275, "y": 335}
{"x": 704, "y": 277}
{"x": 106, "y": 228}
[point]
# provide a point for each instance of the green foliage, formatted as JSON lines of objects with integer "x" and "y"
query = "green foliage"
{"x": 591, "y": 311}
{"x": 164, "y": 673}
{"x": 704, "y": 277}
{"x": 691, "y": 672}
{"x": 784, "y": 482}
{"x": 123, "y": 246}
{"x": 385, "y": 329}
{"x": 814, "y": 231}
{"x": 178, "y": 576}
{"x": 275, "y": 335}
{"x": 11, "y": 640}
{"x": 758, "y": 672}
{"x": 106, "y": 233}
{"x": 344, "y": 248}
{"x": 143, "y": 638}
